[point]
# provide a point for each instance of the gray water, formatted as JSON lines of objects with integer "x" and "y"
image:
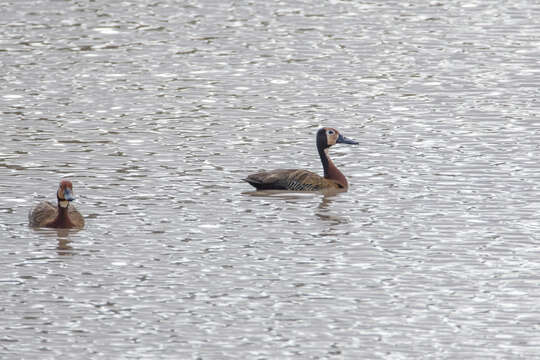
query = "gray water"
{"x": 157, "y": 109}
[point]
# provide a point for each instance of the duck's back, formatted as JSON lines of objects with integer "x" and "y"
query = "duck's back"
{"x": 76, "y": 217}
{"x": 289, "y": 179}
{"x": 45, "y": 213}
{"x": 42, "y": 214}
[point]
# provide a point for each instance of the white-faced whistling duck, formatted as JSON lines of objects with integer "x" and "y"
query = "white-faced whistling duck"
{"x": 303, "y": 180}
{"x": 46, "y": 214}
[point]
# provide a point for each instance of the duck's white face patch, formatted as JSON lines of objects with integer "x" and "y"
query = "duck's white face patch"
{"x": 63, "y": 203}
{"x": 331, "y": 136}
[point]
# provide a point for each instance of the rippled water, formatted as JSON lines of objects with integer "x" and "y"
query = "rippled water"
{"x": 156, "y": 111}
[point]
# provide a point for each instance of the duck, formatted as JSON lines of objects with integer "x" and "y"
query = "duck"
{"x": 304, "y": 180}
{"x": 62, "y": 216}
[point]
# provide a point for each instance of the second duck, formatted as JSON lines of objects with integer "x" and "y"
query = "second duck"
{"x": 45, "y": 214}
{"x": 304, "y": 180}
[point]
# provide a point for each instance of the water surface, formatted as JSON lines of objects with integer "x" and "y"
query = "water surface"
{"x": 156, "y": 111}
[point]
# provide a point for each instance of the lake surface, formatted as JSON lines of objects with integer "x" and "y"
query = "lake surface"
{"x": 157, "y": 109}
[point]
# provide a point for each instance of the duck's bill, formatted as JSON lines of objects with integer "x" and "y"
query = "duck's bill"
{"x": 343, "y": 140}
{"x": 68, "y": 195}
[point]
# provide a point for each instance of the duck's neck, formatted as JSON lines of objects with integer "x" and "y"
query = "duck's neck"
{"x": 330, "y": 170}
{"x": 62, "y": 219}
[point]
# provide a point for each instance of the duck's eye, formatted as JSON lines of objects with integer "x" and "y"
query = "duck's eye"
{"x": 330, "y": 132}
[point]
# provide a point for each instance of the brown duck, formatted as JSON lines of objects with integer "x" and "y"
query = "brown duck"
{"x": 303, "y": 180}
{"x": 45, "y": 214}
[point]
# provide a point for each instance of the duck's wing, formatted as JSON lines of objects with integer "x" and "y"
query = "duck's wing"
{"x": 75, "y": 217}
{"x": 286, "y": 179}
{"x": 42, "y": 214}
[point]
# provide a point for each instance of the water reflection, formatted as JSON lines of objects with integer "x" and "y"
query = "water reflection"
{"x": 289, "y": 194}
{"x": 325, "y": 211}
{"x": 282, "y": 194}
{"x": 63, "y": 247}
{"x": 63, "y": 237}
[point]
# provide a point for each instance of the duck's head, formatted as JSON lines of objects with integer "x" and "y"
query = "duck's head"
{"x": 327, "y": 137}
{"x": 65, "y": 193}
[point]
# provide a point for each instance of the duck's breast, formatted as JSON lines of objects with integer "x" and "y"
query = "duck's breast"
{"x": 329, "y": 184}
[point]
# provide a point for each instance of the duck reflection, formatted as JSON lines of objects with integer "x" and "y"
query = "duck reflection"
{"x": 282, "y": 194}
{"x": 324, "y": 211}
{"x": 291, "y": 194}
{"x": 63, "y": 246}
{"x": 64, "y": 239}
